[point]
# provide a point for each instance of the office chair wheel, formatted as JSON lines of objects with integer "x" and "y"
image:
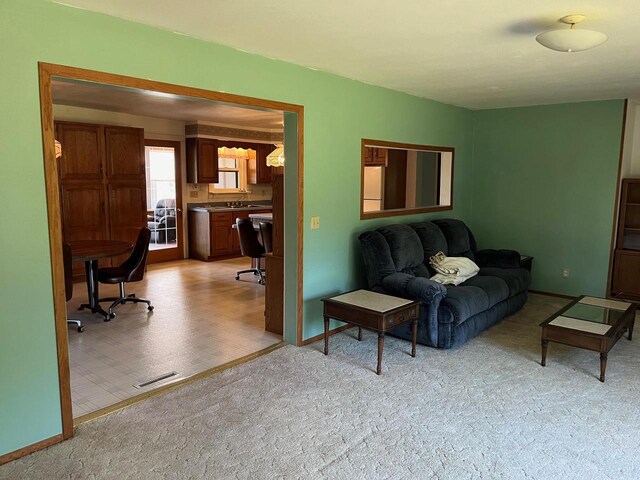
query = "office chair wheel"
{"x": 109, "y": 317}
{"x": 237, "y": 277}
{"x": 80, "y": 308}
{"x": 150, "y": 308}
{"x": 80, "y": 329}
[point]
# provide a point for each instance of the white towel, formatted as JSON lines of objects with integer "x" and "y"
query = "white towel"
{"x": 452, "y": 270}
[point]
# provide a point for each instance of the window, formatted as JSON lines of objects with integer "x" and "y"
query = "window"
{"x": 160, "y": 174}
{"x": 232, "y": 170}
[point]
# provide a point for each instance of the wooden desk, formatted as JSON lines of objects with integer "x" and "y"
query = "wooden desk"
{"x": 373, "y": 311}
{"x": 90, "y": 251}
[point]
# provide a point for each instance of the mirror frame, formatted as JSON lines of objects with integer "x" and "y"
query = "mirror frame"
{"x": 401, "y": 146}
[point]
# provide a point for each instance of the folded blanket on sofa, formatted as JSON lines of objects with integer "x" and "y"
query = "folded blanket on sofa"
{"x": 452, "y": 270}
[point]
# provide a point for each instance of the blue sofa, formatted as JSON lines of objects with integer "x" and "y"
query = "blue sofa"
{"x": 396, "y": 259}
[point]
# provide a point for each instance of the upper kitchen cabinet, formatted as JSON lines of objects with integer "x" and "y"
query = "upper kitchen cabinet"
{"x": 259, "y": 172}
{"x": 375, "y": 156}
{"x": 202, "y": 160}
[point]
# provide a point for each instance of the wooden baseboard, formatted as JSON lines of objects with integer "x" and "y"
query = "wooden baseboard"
{"x": 320, "y": 336}
{"x": 552, "y": 294}
{"x": 8, "y": 457}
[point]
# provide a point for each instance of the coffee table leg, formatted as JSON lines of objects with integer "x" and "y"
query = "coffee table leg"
{"x": 380, "y": 348}
{"x": 359, "y": 333}
{"x": 326, "y": 335}
{"x": 544, "y": 343}
{"x": 414, "y": 339}
{"x": 603, "y": 365}
{"x": 630, "y": 333}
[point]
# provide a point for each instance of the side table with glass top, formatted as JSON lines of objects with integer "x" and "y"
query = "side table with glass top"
{"x": 373, "y": 311}
{"x": 591, "y": 323}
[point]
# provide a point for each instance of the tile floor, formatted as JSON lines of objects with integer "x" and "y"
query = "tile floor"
{"x": 203, "y": 318}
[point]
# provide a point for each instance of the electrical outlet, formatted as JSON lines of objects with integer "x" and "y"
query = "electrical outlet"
{"x": 565, "y": 273}
{"x": 315, "y": 223}
{"x": 193, "y": 194}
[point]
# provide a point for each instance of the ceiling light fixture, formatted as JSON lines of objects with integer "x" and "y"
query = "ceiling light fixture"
{"x": 276, "y": 158}
{"x": 571, "y": 39}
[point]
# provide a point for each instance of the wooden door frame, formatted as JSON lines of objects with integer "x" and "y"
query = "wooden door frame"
{"x": 157, "y": 256}
{"x": 46, "y": 72}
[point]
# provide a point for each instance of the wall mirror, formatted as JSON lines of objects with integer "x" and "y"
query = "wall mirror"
{"x": 402, "y": 179}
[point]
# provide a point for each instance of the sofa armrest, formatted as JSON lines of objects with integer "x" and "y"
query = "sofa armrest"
{"x": 498, "y": 258}
{"x": 428, "y": 292}
{"x": 414, "y": 288}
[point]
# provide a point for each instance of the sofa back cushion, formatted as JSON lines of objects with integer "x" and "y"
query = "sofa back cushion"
{"x": 377, "y": 257}
{"x": 405, "y": 248}
{"x": 432, "y": 239}
{"x": 460, "y": 241}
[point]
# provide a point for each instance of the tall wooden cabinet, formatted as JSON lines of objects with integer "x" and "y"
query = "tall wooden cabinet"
{"x": 102, "y": 182}
{"x": 626, "y": 266}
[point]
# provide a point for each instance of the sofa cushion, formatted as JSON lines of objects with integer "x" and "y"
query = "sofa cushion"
{"x": 517, "y": 279}
{"x": 432, "y": 239}
{"x": 495, "y": 287}
{"x": 377, "y": 257}
{"x": 465, "y": 302}
{"x": 404, "y": 246}
{"x": 457, "y": 236}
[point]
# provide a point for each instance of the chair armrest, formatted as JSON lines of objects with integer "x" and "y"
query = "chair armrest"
{"x": 498, "y": 258}
{"x": 414, "y": 288}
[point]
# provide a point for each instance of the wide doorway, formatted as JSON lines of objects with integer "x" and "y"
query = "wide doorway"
{"x": 206, "y": 311}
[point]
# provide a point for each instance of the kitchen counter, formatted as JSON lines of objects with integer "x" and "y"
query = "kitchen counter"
{"x": 261, "y": 216}
{"x": 223, "y": 208}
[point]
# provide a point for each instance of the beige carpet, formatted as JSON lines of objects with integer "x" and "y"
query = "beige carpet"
{"x": 486, "y": 410}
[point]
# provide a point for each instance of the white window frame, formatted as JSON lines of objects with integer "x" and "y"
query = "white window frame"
{"x": 242, "y": 177}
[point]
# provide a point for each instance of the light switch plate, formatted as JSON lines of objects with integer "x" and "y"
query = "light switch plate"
{"x": 315, "y": 223}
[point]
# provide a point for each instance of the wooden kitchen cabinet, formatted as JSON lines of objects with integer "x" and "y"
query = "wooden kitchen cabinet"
{"x": 212, "y": 236}
{"x": 259, "y": 172}
{"x": 375, "y": 157}
{"x": 202, "y": 160}
{"x": 221, "y": 233}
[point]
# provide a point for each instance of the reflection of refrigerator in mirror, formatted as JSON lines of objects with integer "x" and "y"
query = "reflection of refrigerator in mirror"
{"x": 373, "y": 188}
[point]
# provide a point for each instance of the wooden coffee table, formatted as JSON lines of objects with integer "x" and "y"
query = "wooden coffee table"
{"x": 373, "y": 311}
{"x": 591, "y": 323}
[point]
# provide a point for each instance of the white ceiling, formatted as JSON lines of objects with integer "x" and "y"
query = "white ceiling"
{"x": 472, "y": 53}
{"x": 159, "y": 105}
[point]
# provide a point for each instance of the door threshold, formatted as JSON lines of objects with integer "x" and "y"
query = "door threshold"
{"x": 178, "y": 383}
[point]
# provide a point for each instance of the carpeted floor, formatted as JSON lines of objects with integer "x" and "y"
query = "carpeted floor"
{"x": 485, "y": 410}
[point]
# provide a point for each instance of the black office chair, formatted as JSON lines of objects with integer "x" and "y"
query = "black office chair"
{"x": 266, "y": 232}
{"x": 131, "y": 270}
{"x": 68, "y": 281}
{"x": 250, "y": 247}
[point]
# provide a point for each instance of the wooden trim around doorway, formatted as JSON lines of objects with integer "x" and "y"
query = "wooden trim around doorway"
{"x": 46, "y": 72}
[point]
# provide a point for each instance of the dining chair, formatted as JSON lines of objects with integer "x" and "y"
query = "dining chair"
{"x": 67, "y": 260}
{"x": 131, "y": 270}
{"x": 250, "y": 247}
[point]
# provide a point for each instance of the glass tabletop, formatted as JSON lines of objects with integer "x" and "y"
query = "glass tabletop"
{"x": 592, "y": 314}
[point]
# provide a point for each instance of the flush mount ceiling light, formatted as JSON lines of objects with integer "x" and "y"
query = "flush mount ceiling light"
{"x": 571, "y": 39}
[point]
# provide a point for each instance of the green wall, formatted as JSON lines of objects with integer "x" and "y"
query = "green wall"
{"x": 544, "y": 181}
{"x": 338, "y": 113}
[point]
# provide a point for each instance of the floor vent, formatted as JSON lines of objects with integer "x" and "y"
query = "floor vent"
{"x": 164, "y": 376}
